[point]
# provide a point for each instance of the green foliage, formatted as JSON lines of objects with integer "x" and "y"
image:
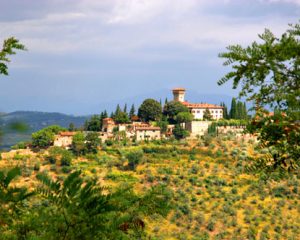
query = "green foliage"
{"x": 132, "y": 111}
{"x": 81, "y": 209}
{"x": 45, "y": 137}
{"x": 268, "y": 75}
{"x": 184, "y": 117}
{"x": 150, "y": 110}
{"x": 232, "y": 122}
{"x": 9, "y": 45}
{"x": 238, "y": 110}
{"x": 92, "y": 142}
{"x": 66, "y": 158}
{"x": 10, "y": 197}
{"x": 121, "y": 117}
{"x": 179, "y": 132}
{"x": 171, "y": 109}
{"x": 93, "y": 124}
{"x": 20, "y": 145}
{"x": 207, "y": 115}
{"x": 134, "y": 158}
{"x": 163, "y": 126}
{"x": 212, "y": 128}
{"x": 78, "y": 144}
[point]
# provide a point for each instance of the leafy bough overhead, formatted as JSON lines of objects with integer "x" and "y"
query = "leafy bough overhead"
{"x": 269, "y": 75}
{"x": 9, "y": 45}
{"x": 83, "y": 209}
{"x": 269, "y": 71}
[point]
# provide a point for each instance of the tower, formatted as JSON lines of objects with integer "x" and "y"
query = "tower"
{"x": 178, "y": 94}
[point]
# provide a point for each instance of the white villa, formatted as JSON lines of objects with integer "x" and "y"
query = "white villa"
{"x": 198, "y": 109}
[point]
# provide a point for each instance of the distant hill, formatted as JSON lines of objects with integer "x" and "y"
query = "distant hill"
{"x": 35, "y": 121}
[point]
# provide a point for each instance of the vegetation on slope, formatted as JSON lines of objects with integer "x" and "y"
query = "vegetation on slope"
{"x": 213, "y": 195}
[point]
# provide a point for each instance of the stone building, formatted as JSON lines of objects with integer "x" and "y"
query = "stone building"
{"x": 147, "y": 133}
{"x": 108, "y": 125}
{"x": 64, "y": 139}
{"x": 198, "y": 109}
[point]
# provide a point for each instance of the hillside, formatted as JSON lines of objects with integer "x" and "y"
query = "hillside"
{"x": 213, "y": 195}
{"x": 35, "y": 121}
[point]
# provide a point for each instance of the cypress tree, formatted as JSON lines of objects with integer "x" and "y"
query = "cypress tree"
{"x": 245, "y": 112}
{"x": 132, "y": 111}
{"x": 240, "y": 111}
{"x": 105, "y": 114}
{"x": 233, "y": 109}
{"x": 118, "y": 110}
{"x": 125, "y": 108}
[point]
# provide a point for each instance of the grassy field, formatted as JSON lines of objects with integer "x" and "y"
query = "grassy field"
{"x": 213, "y": 195}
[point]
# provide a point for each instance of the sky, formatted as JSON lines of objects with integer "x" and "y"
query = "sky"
{"x": 86, "y": 53}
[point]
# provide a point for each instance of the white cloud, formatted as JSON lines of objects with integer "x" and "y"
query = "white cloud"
{"x": 282, "y": 1}
{"x": 119, "y": 27}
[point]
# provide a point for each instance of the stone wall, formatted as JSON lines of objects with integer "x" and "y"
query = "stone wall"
{"x": 197, "y": 128}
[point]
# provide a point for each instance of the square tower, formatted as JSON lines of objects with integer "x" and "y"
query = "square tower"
{"x": 179, "y": 94}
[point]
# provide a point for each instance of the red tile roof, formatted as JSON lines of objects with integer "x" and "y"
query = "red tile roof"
{"x": 67, "y": 134}
{"x": 108, "y": 119}
{"x": 202, "y": 105}
{"x": 147, "y": 128}
{"x": 178, "y": 89}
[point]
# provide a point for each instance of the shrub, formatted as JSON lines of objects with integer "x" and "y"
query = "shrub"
{"x": 211, "y": 224}
{"x": 134, "y": 158}
{"x": 109, "y": 142}
{"x": 36, "y": 167}
{"x": 66, "y": 169}
{"x": 20, "y": 145}
{"x": 66, "y": 158}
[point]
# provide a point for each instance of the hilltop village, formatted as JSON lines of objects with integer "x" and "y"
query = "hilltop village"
{"x": 182, "y": 120}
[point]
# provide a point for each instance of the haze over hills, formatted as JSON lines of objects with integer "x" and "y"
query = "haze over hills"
{"x": 35, "y": 121}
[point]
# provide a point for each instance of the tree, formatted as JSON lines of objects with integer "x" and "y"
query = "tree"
{"x": 179, "y": 132}
{"x": 8, "y": 49}
{"x": 121, "y": 117}
{"x": 45, "y": 137}
{"x": 78, "y": 144}
{"x": 207, "y": 115}
{"x": 92, "y": 142}
{"x": 132, "y": 111}
{"x": 71, "y": 127}
{"x": 171, "y": 109}
{"x": 225, "y": 110}
{"x": 80, "y": 208}
{"x": 150, "y": 110}
{"x": 94, "y": 124}
{"x": 163, "y": 125}
{"x": 134, "y": 158}
{"x": 268, "y": 74}
{"x": 11, "y": 197}
{"x": 233, "y": 109}
{"x": 183, "y": 117}
{"x": 125, "y": 108}
{"x": 118, "y": 110}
